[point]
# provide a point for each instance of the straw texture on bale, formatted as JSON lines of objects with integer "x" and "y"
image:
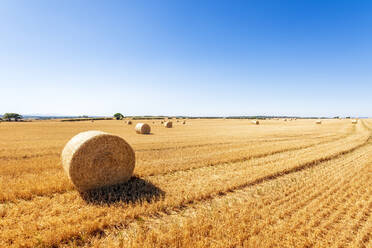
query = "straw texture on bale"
{"x": 168, "y": 124}
{"x": 143, "y": 128}
{"x": 95, "y": 159}
{"x": 256, "y": 122}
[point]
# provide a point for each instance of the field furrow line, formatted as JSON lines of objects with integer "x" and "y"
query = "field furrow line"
{"x": 363, "y": 238}
{"x": 354, "y": 226}
{"x": 333, "y": 231}
{"x": 338, "y": 206}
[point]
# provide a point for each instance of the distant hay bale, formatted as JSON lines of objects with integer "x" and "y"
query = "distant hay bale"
{"x": 354, "y": 121}
{"x": 143, "y": 128}
{"x": 184, "y": 122}
{"x": 162, "y": 122}
{"x": 94, "y": 159}
{"x": 285, "y": 119}
{"x": 168, "y": 124}
{"x": 318, "y": 122}
{"x": 129, "y": 122}
{"x": 255, "y": 122}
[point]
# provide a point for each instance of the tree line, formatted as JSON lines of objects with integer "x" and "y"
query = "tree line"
{"x": 12, "y": 116}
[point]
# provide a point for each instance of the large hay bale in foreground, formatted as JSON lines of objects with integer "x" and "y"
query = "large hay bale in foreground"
{"x": 94, "y": 159}
{"x": 318, "y": 122}
{"x": 354, "y": 121}
{"x": 255, "y": 122}
{"x": 168, "y": 124}
{"x": 143, "y": 128}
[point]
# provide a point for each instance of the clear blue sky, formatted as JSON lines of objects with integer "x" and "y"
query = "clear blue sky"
{"x": 306, "y": 58}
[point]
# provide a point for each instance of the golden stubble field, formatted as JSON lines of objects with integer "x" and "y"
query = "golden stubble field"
{"x": 209, "y": 183}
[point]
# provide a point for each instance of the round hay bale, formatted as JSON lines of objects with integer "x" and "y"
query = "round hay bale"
{"x": 162, "y": 122}
{"x": 129, "y": 122}
{"x": 168, "y": 124}
{"x": 256, "y": 122}
{"x": 184, "y": 122}
{"x": 143, "y": 128}
{"x": 95, "y": 159}
{"x": 354, "y": 121}
{"x": 318, "y": 122}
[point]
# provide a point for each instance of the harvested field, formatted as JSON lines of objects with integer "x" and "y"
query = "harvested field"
{"x": 213, "y": 183}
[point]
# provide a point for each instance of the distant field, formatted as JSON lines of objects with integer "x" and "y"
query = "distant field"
{"x": 209, "y": 183}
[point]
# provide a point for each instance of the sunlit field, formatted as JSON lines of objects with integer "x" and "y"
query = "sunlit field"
{"x": 208, "y": 183}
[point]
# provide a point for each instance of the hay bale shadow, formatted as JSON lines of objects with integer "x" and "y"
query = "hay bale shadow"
{"x": 136, "y": 190}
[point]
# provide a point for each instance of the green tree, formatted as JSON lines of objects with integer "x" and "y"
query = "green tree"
{"x": 10, "y": 116}
{"x": 118, "y": 116}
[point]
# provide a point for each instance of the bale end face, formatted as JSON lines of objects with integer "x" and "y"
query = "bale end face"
{"x": 95, "y": 159}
